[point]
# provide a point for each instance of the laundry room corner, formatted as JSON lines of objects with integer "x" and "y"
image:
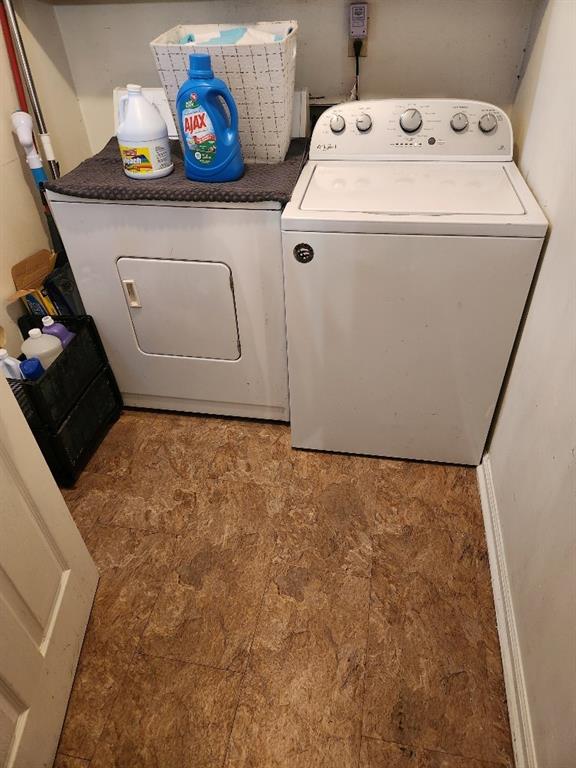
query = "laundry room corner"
{"x": 287, "y": 384}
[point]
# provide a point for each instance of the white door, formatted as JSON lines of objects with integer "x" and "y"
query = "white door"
{"x": 398, "y": 344}
{"x": 47, "y": 585}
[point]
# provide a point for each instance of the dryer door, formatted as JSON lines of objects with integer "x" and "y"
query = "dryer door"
{"x": 183, "y": 308}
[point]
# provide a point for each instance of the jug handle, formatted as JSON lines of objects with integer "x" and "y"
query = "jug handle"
{"x": 122, "y": 108}
{"x": 233, "y": 109}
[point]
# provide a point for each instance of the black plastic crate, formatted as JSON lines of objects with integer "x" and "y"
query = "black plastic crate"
{"x": 54, "y": 394}
{"x": 73, "y": 404}
{"x": 68, "y": 449}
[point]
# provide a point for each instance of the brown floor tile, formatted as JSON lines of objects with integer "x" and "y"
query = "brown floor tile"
{"x": 434, "y": 677}
{"x": 176, "y": 466}
{"x": 208, "y": 606}
{"x": 148, "y": 487}
{"x": 419, "y": 493}
{"x": 249, "y": 451}
{"x": 440, "y": 502}
{"x": 301, "y": 700}
{"x": 300, "y": 704}
{"x": 228, "y": 508}
{"x": 121, "y": 449}
{"x": 142, "y": 505}
{"x": 207, "y": 610}
{"x": 169, "y": 715}
{"x": 132, "y": 567}
{"x": 65, "y": 761}
{"x": 145, "y": 473}
{"x": 329, "y": 513}
{"x": 83, "y": 507}
{"x": 385, "y": 754}
{"x": 172, "y": 446}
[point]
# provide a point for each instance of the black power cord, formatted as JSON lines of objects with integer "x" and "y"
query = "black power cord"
{"x": 357, "y": 47}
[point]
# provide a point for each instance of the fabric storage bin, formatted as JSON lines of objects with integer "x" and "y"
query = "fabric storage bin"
{"x": 260, "y": 77}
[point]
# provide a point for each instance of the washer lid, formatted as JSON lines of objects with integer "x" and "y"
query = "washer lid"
{"x": 406, "y": 188}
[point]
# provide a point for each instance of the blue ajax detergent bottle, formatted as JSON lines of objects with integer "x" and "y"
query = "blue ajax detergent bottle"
{"x": 212, "y": 149}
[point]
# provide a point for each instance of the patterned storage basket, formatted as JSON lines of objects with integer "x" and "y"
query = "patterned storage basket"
{"x": 260, "y": 76}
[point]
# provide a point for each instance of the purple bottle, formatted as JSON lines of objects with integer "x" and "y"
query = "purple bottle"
{"x": 58, "y": 330}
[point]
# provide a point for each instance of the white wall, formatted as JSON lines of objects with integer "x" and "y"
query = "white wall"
{"x": 21, "y": 220}
{"x": 21, "y": 231}
{"x": 466, "y": 48}
{"x": 533, "y": 448}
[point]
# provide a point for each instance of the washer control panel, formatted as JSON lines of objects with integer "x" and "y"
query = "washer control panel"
{"x": 391, "y": 129}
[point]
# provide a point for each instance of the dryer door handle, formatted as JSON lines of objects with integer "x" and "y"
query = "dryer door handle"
{"x": 131, "y": 294}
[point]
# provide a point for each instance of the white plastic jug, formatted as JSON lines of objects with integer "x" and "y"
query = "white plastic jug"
{"x": 142, "y": 137}
{"x": 9, "y": 366}
{"x": 45, "y": 348}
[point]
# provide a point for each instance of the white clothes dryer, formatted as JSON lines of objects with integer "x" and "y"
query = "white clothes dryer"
{"x": 184, "y": 281}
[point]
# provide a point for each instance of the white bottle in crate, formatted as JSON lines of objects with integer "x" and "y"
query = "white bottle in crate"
{"x": 142, "y": 137}
{"x": 45, "y": 348}
{"x": 9, "y": 366}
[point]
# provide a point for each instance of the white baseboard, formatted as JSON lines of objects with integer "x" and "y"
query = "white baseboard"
{"x": 518, "y": 709}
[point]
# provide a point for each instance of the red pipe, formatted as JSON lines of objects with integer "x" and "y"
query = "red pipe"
{"x": 13, "y": 60}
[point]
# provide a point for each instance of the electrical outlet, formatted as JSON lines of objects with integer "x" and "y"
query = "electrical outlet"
{"x": 358, "y": 27}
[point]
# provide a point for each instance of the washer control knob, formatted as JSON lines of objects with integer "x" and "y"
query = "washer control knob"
{"x": 337, "y": 124}
{"x": 303, "y": 253}
{"x": 410, "y": 120}
{"x": 459, "y": 122}
{"x": 364, "y": 123}
{"x": 488, "y": 122}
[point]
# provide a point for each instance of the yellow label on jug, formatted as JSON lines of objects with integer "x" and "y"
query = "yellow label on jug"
{"x": 137, "y": 159}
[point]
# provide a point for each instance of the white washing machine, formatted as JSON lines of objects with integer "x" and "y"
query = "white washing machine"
{"x": 188, "y": 298}
{"x": 409, "y": 247}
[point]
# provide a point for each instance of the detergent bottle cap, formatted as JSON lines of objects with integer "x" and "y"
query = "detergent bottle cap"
{"x": 34, "y": 333}
{"x": 133, "y": 88}
{"x": 32, "y": 368}
{"x": 47, "y": 321}
{"x": 200, "y": 65}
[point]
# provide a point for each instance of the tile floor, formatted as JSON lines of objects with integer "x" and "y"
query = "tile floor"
{"x": 260, "y": 607}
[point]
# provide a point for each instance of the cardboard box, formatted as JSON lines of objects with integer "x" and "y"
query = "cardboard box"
{"x": 28, "y": 276}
